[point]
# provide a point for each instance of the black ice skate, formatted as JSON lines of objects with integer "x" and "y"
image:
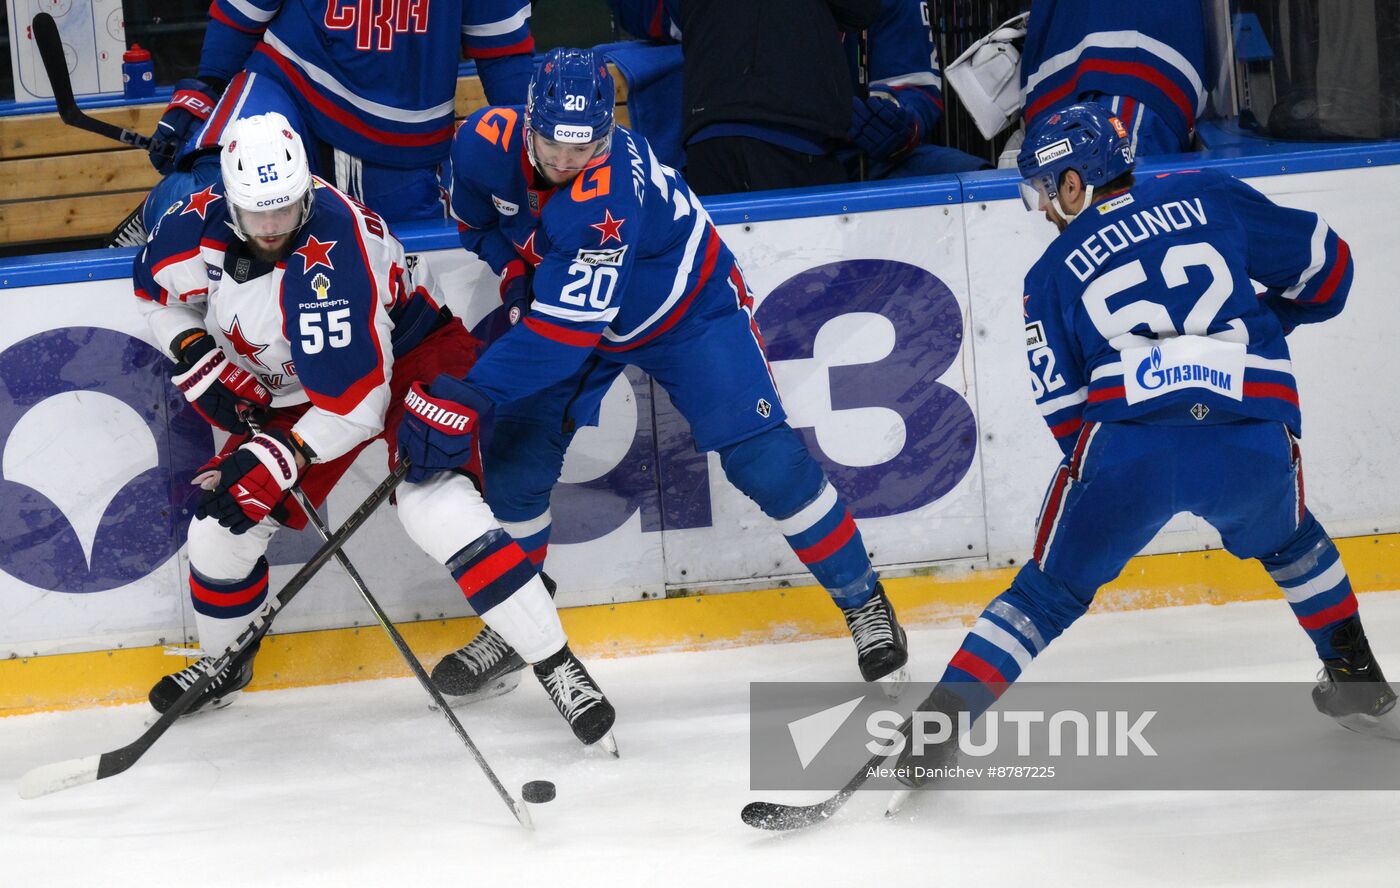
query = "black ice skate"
{"x": 925, "y": 768}
{"x": 881, "y": 647}
{"x": 487, "y": 667}
{"x": 578, "y": 698}
{"x": 1352, "y": 689}
{"x": 223, "y": 691}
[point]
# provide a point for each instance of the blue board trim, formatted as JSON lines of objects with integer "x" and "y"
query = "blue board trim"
{"x": 1239, "y": 154}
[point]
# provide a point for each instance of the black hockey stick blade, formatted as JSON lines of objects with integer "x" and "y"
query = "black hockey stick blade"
{"x": 50, "y": 47}
{"x": 781, "y": 818}
{"x": 62, "y": 775}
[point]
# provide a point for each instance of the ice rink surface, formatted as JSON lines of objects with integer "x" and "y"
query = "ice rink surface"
{"x": 361, "y": 785}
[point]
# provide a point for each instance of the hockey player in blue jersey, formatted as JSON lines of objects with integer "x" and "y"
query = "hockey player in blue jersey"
{"x": 370, "y": 92}
{"x": 625, "y": 267}
{"x": 273, "y": 290}
{"x": 1168, "y": 385}
{"x": 1145, "y": 62}
{"x": 894, "y": 126}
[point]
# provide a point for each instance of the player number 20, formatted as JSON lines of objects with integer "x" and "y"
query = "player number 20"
{"x": 593, "y": 285}
{"x": 336, "y": 333}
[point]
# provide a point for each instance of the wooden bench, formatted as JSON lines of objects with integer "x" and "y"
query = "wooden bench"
{"x": 58, "y": 183}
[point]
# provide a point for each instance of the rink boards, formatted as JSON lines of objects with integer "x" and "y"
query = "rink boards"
{"x": 892, "y": 316}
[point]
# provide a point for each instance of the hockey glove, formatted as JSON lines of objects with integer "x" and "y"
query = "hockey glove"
{"x": 251, "y": 481}
{"x": 441, "y": 428}
{"x": 515, "y": 303}
{"x": 190, "y": 105}
{"x": 218, "y": 390}
{"x": 883, "y": 129}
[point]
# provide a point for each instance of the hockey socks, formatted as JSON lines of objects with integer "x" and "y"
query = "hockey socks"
{"x": 1308, "y": 570}
{"x": 222, "y": 607}
{"x": 504, "y": 589}
{"x": 1013, "y": 629}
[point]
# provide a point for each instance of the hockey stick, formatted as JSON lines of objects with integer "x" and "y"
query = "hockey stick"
{"x": 50, "y": 47}
{"x": 779, "y": 817}
{"x": 75, "y": 772}
{"x": 862, "y": 86}
{"x": 522, "y": 814}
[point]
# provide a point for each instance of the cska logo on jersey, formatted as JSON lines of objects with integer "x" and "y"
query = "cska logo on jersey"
{"x": 314, "y": 253}
{"x": 609, "y": 228}
{"x": 375, "y": 29}
{"x": 243, "y": 345}
{"x": 199, "y": 203}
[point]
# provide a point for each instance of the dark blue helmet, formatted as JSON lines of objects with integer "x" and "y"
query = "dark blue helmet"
{"x": 571, "y": 99}
{"x": 1085, "y": 138}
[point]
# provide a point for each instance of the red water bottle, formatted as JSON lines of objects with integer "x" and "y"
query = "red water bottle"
{"x": 138, "y": 74}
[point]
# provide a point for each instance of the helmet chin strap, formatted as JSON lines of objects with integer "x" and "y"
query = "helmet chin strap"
{"x": 1070, "y": 217}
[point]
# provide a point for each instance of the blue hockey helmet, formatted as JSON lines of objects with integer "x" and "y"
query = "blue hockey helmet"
{"x": 1083, "y": 137}
{"x": 571, "y": 101}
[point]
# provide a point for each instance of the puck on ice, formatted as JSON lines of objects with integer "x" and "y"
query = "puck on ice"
{"x": 537, "y": 792}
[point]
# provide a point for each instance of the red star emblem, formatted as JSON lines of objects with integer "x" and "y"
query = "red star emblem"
{"x": 243, "y": 346}
{"x": 527, "y": 250}
{"x": 315, "y": 253}
{"x": 609, "y": 228}
{"x": 199, "y": 203}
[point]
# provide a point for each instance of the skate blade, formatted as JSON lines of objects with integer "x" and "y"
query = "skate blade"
{"x": 217, "y": 703}
{"x": 502, "y": 685}
{"x": 608, "y": 743}
{"x": 1386, "y": 726}
{"x": 896, "y": 801}
{"x": 893, "y": 685}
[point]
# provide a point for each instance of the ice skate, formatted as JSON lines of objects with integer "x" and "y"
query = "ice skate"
{"x": 1353, "y": 690}
{"x": 882, "y": 649}
{"x": 223, "y": 691}
{"x": 486, "y": 667}
{"x": 578, "y": 698}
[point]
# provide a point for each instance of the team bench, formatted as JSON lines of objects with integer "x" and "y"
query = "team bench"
{"x": 60, "y": 184}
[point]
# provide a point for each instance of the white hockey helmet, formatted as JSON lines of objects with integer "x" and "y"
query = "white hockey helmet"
{"x": 267, "y": 180}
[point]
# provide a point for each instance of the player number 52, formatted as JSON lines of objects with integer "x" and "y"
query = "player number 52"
{"x": 336, "y": 332}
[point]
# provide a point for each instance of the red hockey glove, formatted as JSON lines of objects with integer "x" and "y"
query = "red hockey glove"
{"x": 218, "y": 390}
{"x": 250, "y": 482}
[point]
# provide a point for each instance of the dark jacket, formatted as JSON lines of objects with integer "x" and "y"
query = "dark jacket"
{"x": 770, "y": 62}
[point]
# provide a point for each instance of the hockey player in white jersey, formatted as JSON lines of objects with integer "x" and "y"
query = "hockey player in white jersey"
{"x": 271, "y": 290}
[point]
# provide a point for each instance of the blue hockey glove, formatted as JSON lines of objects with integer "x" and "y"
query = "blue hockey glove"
{"x": 882, "y": 128}
{"x": 515, "y": 303}
{"x": 190, "y": 105}
{"x": 441, "y": 428}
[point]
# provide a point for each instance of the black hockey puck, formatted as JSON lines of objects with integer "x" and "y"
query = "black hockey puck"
{"x": 537, "y": 792}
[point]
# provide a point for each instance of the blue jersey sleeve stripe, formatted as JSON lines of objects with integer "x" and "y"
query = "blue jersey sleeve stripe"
{"x": 243, "y": 15}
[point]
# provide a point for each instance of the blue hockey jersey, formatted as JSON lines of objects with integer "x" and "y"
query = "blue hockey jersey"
{"x": 1143, "y": 309}
{"x": 324, "y": 325}
{"x": 904, "y": 61}
{"x": 1152, "y": 52}
{"x": 622, "y": 255}
{"x": 378, "y": 77}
